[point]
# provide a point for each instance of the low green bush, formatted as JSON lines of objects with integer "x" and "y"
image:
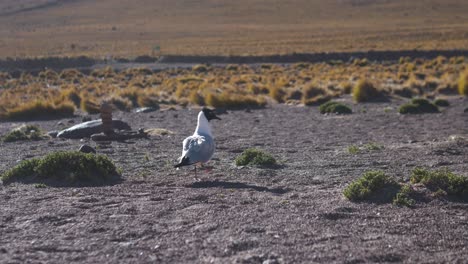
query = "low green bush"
{"x": 334, "y": 108}
{"x": 441, "y": 102}
{"x": 452, "y": 184}
{"x": 418, "y": 106}
{"x": 64, "y": 168}
{"x": 25, "y": 132}
{"x": 403, "y": 197}
{"x": 255, "y": 157}
{"x": 372, "y": 185}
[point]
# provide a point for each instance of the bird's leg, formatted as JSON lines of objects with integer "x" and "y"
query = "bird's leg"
{"x": 196, "y": 177}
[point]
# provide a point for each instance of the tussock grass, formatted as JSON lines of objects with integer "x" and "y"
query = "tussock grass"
{"x": 90, "y": 106}
{"x": 233, "y": 101}
{"x": 255, "y": 157}
{"x": 277, "y": 93}
{"x": 64, "y": 168}
{"x": 463, "y": 84}
{"x": 234, "y": 86}
{"x": 39, "y": 110}
{"x": 365, "y": 91}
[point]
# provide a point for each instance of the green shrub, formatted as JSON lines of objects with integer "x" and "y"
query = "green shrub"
{"x": 40, "y": 110}
{"x": 441, "y": 102}
{"x": 403, "y": 197}
{"x": 334, "y": 108}
{"x": 372, "y": 185}
{"x": 353, "y": 149}
{"x": 372, "y": 146}
{"x": 418, "y": 106}
{"x": 25, "y": 132}
{"x": 255, "y": 157}
{"x": 64, "y": 168}
{"x": 444, "y": 180}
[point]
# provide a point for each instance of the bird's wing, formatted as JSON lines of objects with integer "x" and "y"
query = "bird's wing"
{"x": 198, "y": 148}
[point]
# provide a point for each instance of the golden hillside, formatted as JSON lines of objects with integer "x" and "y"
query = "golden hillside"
{"x": 129, "y": 28}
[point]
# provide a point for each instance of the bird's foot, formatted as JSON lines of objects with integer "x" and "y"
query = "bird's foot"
{"x": 207, "y": 168}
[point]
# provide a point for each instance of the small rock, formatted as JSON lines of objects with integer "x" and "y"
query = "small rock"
{"x": 52, "y": 134}
{"x": 86, "y": 119}
{"x": 60, "y": 123}
{"x": 466, "y": 110}
{"x": 71, "y": 121}
{"x": 145, "y": 109}
{"x": 87, "y": 149}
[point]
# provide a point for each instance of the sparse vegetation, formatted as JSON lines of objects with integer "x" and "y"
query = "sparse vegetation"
{"x": 418, "y": 106}
{"x": 448, "y": 182}
{"x": 372, "y": 185}
{"x": 25, "y": 132}
{"x": 235, "y": 86}
{"x": 353, "y": 149}
{"x": 372, "y": 146}
{"x": 255, "y": 157}
{"x": 334, "y": 108}
{"x": 64, "y": 168}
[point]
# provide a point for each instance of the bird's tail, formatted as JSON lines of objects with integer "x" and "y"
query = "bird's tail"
{"x": 184, "y": 162}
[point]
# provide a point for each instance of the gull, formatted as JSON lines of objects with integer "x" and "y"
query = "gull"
{"x": 199, "y": 148}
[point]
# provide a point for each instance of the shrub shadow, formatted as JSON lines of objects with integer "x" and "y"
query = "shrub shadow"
{"x": 236, "y": 185}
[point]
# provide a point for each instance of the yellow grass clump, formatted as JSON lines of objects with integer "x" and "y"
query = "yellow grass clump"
{"x": 39, "y": 110}
{"x": 90, "y": 106}
{"x": 365, "y": 91}
{"x": 235, "y": 101}
{"x": 463, "y": 84}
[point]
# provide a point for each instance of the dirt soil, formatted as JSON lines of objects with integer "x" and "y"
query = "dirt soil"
{"x": 292, "y": 214}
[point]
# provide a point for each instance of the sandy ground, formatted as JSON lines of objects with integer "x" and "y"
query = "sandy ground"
{"x": 292, "y": 214}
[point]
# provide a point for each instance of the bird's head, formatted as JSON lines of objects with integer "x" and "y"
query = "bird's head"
{"x": 210, "y": 114}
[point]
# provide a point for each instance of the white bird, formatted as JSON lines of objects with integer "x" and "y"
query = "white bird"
{"x": 199, "y": 148}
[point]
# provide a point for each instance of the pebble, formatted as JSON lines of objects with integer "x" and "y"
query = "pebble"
{"x": 87, "y": 149}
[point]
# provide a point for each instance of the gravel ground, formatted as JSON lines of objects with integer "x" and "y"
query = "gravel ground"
{"x": 292, "y": 214}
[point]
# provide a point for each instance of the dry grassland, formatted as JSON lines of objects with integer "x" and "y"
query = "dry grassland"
{"x": 130, "y": 28}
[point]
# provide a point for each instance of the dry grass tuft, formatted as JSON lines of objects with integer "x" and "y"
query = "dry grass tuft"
{"x": 463, "y": 84}
{"x": 233, "y": 101}
{"x": 39, "y": 110}
{"x": 365, "y": 91}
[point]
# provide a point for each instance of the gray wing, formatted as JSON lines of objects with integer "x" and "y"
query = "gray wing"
{"x": 198, "y": 148}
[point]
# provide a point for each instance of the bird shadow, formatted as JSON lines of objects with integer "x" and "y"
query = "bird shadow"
{"x": 236, "y": 185}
